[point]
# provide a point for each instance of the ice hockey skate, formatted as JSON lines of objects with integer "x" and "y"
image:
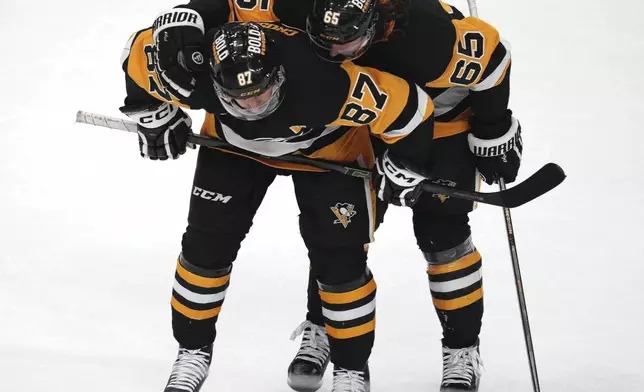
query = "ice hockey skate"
{"x": 306, "y": 371}
{"x": 190, "y": 370}
{"x": 345, "y": 380}
{"x": 461, "y": 369}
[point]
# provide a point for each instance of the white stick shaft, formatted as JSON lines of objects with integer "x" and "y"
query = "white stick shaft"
{"x": 473, "y": 10}
{"x": 105, "y": 121}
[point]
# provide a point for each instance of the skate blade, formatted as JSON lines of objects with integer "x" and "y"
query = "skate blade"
{"x": 459, "y": 389}
{"x": 304, "y": 384}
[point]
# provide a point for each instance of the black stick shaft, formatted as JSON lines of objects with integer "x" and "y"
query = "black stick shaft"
{"x": 520, "y": 294}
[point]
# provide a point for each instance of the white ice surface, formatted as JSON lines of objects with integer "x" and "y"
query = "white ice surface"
{"x": 89, "y": 231}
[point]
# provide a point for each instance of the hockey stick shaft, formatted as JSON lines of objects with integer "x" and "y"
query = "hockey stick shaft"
{"x": 523, "y": 307}
{"x": 471, "y": 4}
{"x": 536, "y": 185}
{"x": 509, "y": 228}
{"x": 131, "y": 126}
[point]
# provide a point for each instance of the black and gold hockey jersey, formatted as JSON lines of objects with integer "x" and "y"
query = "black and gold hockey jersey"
{"x": 460, "y": 61}
{"x": 328, "y": 110}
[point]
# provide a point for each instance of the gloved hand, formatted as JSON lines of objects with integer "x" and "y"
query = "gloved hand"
{"x": 179, "y": 37}
{"x": 397, "y": 182}
{"x": 163, "y": 130}
{"x": 498, "y": 148}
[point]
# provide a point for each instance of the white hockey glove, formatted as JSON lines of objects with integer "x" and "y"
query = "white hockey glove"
{"x": 163, "y": 130}
{"x": 397, "y": 182}
{"x": 179, "y": 37}
{"x": 498, "y": 148}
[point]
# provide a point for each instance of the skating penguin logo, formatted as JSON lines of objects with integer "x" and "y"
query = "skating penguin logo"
{"x": 344, "y": 212}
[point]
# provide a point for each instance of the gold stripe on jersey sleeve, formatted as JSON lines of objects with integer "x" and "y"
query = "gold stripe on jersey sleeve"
{"x": 461, "y": 62}
{"x": 458, "y": 125}
{"x": 137, "y": 68}
{"x": 254, "y": 10}
{"x": 445, "y": 129}
{"x": 446, "y": 7}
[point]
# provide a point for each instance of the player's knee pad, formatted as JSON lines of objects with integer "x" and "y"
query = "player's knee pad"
{"x": 349, "y": 309}
{"x": 438, "y": 232}
{"x": 455, "y": 277}
{"x": 213, "y": 248}
{"x": 198, "y": 293}
{"x": 338, "y": 264}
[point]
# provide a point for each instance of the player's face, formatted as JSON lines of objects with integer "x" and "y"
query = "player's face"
{"x": 255, "y": 102}
{"x": 349, "y": 49}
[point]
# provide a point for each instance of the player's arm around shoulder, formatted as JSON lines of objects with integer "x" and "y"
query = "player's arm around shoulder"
{"x": 482, "y": 63}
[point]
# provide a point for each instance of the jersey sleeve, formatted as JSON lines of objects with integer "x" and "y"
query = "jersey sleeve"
{"x": 480, "y": 62}
{"x": 397, "y": 111}
{"x": 480, "y": 58}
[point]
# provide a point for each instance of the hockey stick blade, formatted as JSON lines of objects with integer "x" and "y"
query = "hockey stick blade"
{"x": 541, "y": 182}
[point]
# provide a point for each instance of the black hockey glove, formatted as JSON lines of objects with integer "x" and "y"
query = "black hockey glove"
{"x": 397, "y": 182}
{"x": 179, "y": 37}
{"x": 498, "y": 148}
{"x": 163, "y": 130}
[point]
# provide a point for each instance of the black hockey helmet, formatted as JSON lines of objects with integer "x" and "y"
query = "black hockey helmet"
{"x": 334, "y": 23}
{"x": 244, "y": 64}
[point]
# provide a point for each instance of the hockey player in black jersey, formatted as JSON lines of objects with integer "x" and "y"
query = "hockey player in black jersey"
{"x": 465, "y": 67}
{"x": 261, "y": 98}
{"x": 462, "y": 63}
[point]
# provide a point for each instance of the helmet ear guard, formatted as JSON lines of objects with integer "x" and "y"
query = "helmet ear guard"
{"x": 244, "y": 64}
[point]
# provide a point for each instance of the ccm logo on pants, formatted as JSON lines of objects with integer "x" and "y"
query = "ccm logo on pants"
{"x": 208, "y": 195}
